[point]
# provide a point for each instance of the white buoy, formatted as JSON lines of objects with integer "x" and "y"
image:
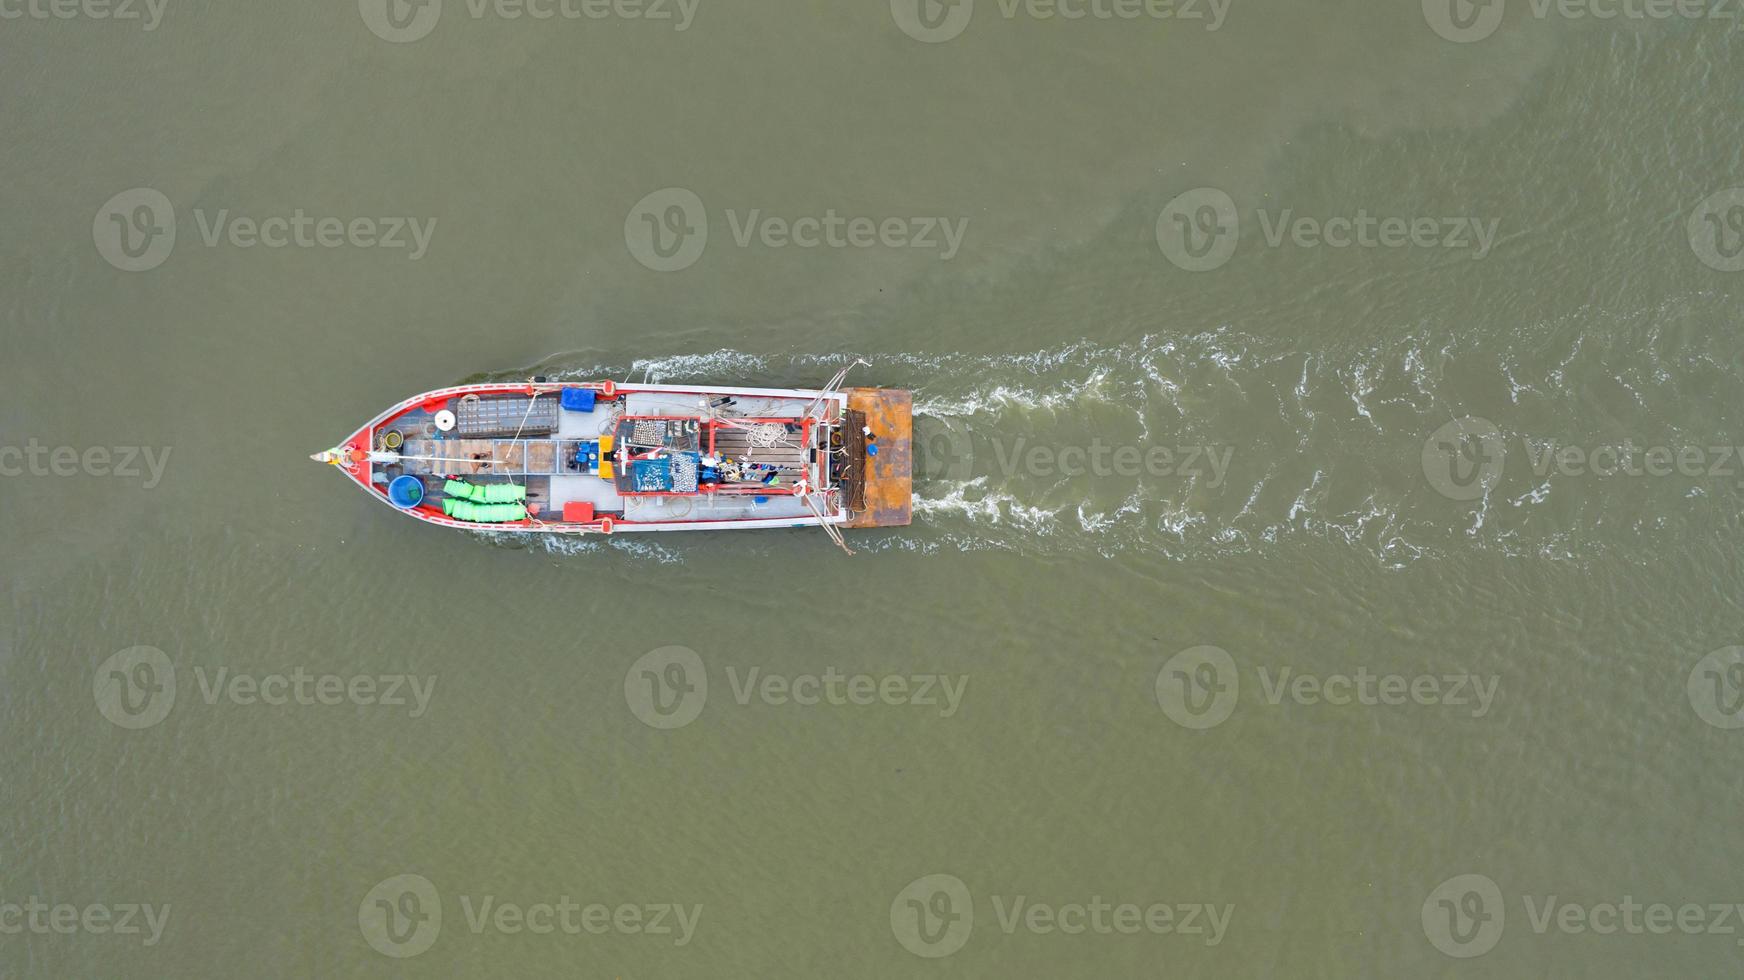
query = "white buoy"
{"x": 445, "y": 420}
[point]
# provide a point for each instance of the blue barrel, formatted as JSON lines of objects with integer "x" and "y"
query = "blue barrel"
{"x": 406, "y": 492}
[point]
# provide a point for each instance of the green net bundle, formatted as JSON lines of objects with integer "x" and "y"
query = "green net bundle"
{"x": 466, "y": 510}
{"x": 490, "y": 493}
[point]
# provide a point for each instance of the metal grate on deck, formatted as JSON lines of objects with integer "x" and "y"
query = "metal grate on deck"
{"x": 503, "y": 417}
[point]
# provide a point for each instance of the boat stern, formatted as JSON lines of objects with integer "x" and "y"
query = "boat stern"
{"x": 881, "y": 488}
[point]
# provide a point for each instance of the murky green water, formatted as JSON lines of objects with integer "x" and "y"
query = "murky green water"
{"x": 1324, "y": 560}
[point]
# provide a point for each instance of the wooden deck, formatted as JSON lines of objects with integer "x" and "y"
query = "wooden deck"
{"x": 889, "y": 476}
{"x": 736, "y": 444}
{"x": 484, "y": 457}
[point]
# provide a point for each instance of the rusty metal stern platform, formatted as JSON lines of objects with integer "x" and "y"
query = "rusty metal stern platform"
{"x": 887, "y": 490}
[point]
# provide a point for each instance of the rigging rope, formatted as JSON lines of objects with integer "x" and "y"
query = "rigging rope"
{"x": 768, "y": 435}
{"x": 829, "y": 529}
{"x": 521, "y": 428}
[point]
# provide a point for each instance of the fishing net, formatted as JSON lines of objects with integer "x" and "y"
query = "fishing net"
{"x": 674, "y": 473}
{"x": 683, "y": 473}
{"x": 648, "y": 432}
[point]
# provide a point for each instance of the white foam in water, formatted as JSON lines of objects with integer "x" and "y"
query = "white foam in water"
{"x": 971, "y": 498}
{"x": 1254, "y": 396}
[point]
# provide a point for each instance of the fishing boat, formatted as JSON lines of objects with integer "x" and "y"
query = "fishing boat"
{"x": 600, "y": 457}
